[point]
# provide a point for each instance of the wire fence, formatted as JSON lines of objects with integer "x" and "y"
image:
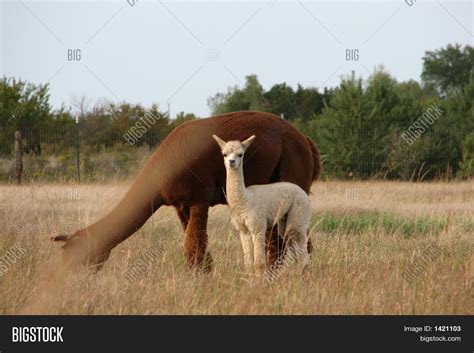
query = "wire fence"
{"x": 77, "y": 152}
{"x": 94, "y": 150}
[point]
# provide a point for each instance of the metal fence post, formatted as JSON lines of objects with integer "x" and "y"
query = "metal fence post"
{"x": 18, "y": 157}
{"x": 78, "y": 163}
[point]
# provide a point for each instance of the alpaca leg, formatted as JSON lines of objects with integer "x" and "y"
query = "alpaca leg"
{"x": 282, "y": 231}
{"x": 274, "y": 245}
{"x": 282, "y": 227}
{"x": 302, "y": 244}
{"x": 247, "y": 246}
{"x": 309, "y": 245}
{"x": 195, "y": 242}
{"x": 290, "y": 170}
{"x": 183, "y": 215}
{"x": 297, "y": 229}
{"x": 259, "y": 251}
{"x": 297, "y": 244}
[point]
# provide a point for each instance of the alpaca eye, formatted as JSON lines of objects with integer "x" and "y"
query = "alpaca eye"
{"x": 240, "y": 155}
{"x": 224, "y": 155}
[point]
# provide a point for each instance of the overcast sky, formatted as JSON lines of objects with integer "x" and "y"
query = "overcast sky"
{"x": 184, "y": 52}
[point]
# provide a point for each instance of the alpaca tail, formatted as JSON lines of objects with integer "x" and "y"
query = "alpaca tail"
{"x": 317, "y": 168}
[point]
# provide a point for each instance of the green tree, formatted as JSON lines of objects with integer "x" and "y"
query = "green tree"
{"x": 357, "y": 123}
{"x": 450, "y": 131}
{"x": 281, "y": 99}
{"x": 161, "y": 127}
{"x": 467, "y": 163}
{"x": 253, "y": 92}
{"x": 182, "y": 117}
{"x": 309, "y": 102}
{"x": 248, "y": 98}
{"x": 448, "y": 70}
{"x": 24, "y": 107}
{"x": 340, "y": 129}
{"x": 233, "y": 100}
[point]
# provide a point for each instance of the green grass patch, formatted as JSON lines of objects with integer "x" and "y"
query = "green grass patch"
{"x": 388, "y": 223}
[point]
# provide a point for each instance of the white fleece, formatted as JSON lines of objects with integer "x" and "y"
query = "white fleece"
{"x": 257, "y": 207}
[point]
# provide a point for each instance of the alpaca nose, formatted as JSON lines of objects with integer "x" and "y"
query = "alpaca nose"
{"x": 231, "y": 162}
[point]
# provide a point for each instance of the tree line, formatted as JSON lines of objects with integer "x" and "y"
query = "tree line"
{"x": 25, "y": 107}
{"x": 380, "y": 127}
{"x": 373, "y": 128}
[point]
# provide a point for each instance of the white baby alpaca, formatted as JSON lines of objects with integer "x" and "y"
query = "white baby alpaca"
{"x": 258, "y": 207}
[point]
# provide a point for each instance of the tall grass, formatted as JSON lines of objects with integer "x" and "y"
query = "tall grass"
{"x": 360, "y": 254}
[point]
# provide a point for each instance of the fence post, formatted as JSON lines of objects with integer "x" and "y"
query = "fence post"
{"x": 18, "y": 156}
{"x": 78, "y": 163}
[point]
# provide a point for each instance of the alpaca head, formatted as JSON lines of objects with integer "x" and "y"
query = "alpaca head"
{"x": 233, "y": 151}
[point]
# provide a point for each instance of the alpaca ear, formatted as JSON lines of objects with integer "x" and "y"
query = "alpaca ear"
{"x": 219, "y": 141}
{"x": 247, "y": 142}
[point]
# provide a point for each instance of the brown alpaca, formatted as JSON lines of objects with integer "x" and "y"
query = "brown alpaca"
{"x": 186, "y": 171}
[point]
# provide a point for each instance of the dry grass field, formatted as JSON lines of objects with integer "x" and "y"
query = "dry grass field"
{"x": 365, "y": 236}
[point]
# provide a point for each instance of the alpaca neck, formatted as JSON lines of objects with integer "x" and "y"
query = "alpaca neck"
{"x": 235, "y": 186}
